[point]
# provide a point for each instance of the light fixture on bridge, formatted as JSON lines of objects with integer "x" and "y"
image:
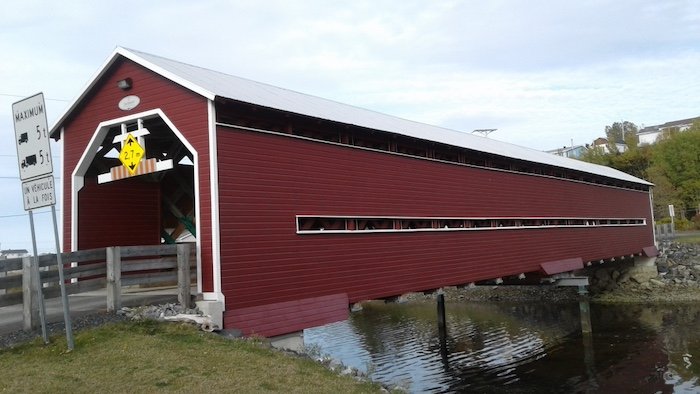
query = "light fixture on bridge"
{"x": 125, "y": 84}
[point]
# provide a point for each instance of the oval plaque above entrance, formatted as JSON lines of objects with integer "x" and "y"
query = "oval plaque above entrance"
{"x": 129, "y": 103}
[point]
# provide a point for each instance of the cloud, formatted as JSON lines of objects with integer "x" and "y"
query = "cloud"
{"x": 541, "y": 72}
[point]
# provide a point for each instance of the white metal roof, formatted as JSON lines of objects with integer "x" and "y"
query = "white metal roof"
{"x": 212, "y": 84}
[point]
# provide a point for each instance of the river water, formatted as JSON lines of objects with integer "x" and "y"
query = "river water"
{"x": 533, "y": 347}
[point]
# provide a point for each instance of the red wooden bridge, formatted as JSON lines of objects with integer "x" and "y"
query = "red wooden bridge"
{"x": 300, "y": 206}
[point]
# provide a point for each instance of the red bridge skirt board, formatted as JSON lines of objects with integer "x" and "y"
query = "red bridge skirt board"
{"x": 559, "y": 266}
{"x": 285, "y": 317}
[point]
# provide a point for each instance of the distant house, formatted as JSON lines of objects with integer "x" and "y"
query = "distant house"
{"x": 572, "y": 152}
{"x": 577, "y": 151}
{"x": 603, "y": 143}
{"x": 13, "y": 253}
{"x": 650, "y": 134}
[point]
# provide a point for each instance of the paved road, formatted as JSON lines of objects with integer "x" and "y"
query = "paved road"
{"x": 84, "y": 303}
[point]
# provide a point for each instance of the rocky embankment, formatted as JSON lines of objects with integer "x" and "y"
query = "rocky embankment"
{"x": 677, "y": 278}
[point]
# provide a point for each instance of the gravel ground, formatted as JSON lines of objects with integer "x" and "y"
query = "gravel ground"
{"x": 78, "y": 323}
{"x": 513, "y": 293}
{"x": 659, "y": 293}
{"x": 510, "y": 293}
{"x": 155, "y": 312}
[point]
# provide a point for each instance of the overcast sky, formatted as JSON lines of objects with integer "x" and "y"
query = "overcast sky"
{"x": 543, "y": 73}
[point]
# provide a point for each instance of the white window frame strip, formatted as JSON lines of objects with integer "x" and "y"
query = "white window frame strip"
{"x": 591, "y": 223}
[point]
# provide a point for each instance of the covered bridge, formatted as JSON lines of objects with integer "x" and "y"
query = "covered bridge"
{"x": 300, "y": 205}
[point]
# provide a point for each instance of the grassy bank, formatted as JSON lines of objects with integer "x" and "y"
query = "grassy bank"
{"x": 151, "y": 357}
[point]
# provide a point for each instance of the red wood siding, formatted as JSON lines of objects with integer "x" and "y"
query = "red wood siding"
{"x": 290, "y": 316}
{"x": 127, "y": 211}
{"x": 265, "y": 180}
{"x": 188, "y": 111}
{"x": 557, "y": 267}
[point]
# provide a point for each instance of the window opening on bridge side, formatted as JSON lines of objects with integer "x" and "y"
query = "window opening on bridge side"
{"x": 359, "y": 224}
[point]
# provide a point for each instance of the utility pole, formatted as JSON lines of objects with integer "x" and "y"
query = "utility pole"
{"x": 622, "y": 126}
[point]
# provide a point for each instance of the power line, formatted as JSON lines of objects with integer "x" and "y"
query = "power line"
{"x": 19, "y": 215}
{"x": 16, "y": 177}
{"x": 23, "y": 96}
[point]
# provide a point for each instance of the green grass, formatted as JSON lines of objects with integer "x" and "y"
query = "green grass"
{"x": 163, "y": 357}
{"x": 692, "y": 239}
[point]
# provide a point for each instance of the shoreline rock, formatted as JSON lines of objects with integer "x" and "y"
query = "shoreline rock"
{"x": 676, "y": 278}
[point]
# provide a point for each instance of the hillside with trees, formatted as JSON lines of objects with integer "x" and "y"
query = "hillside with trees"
{"x": 672, "y": 164}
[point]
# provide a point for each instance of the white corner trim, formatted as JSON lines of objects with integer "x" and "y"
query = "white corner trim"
{"x": 214, "y": 190}
{"x": 214, "y": 296}
{"x": 62, "y": 198}
{"x": 653, "y": 221}
{"x": 77, "y": 183}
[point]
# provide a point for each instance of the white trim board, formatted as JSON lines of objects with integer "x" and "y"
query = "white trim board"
{"x": 214, "y": 194}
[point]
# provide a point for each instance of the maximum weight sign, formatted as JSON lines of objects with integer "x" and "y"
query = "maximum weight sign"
{"x": 32, "y": 137}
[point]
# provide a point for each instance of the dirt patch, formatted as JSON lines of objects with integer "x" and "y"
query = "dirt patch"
{"x": 654, "y": 291}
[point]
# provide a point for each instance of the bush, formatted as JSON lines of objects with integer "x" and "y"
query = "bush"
{"x": 682, "y": 224}
{"x": 696, "y": 222}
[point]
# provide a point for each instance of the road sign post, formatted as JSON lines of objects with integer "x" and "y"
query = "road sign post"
{"x": 36, "y": 172}
{"x": 672, "y": 213}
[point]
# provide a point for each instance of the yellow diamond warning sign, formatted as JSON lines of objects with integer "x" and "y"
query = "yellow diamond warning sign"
{"x": 131, "y": 154}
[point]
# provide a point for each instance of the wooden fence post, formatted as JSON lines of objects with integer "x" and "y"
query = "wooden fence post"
{"x": 114, "y": 279}
{"x": 3, "y": 274}
{"x": 30, "y": 288}
{"x": 183, "y": 274}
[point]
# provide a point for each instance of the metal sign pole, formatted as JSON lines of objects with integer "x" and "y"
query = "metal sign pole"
{"x": 672, "y": 213}
{"x": 35, "y": 166}
{"x": 64, "y": 296}
{"x": 37, "y": 275}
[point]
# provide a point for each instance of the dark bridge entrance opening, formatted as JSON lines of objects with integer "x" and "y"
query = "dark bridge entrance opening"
{"x": 157, "y": 205}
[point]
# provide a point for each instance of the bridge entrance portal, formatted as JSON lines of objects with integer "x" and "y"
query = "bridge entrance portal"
{"x": 153, "y": 201}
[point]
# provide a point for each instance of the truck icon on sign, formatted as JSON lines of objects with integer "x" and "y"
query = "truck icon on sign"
{"x": 23, "y": 138}
{"x": 29, "y": 161}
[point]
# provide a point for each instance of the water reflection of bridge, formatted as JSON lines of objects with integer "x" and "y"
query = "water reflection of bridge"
{"x": 527, "y": 347}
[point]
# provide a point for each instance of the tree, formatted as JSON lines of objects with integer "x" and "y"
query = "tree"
{"x": 672, "y": 165}
{"x": 622, "y": 133}
{"x": 635, "y": 161}
{"x": 665, "y": 193}
{"x": 596, "y": 155}
{"x": 676, "y": 166}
